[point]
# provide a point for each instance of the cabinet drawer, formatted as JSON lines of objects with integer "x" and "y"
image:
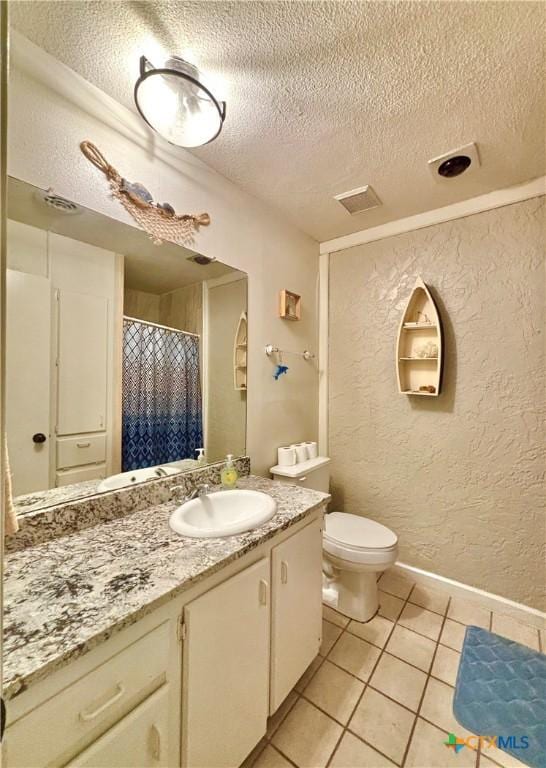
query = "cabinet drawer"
{"x": 67, "y": 723}
{"x": 80, "y": 475}
{"x": 80, "y": 450}
{"x": 139, "y": 740}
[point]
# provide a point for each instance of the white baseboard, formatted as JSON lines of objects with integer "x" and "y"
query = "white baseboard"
{"x": 492, "y": 602}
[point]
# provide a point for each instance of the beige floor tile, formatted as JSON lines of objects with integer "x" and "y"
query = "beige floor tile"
{"x": 307, "y": 736}
{"x": 453, "y": 634}
{"x": 502, "y": 758}
{"x": 330, "y": 634}
{"x": 375, "y": 631}
{"x": 422, "y": 621}
{"x": 446, "y": 664}
{"x": 277, "y": 717}
{"x": 432, "y": 599}
{"x": 437, "y": 707}
{"x": 334, "y": 691}
{"x": 411, "y": 647}
{"x": 353, "y": 753}
{"x": 355, "y": 655}
{"x": 270, "y": 758}
{"x": 383, "y": 723}
{"x": 334, "y": 617}
{"x": 515, "y": 630}
{"x": 468, "y": 612}
{"x": 308, "y": 674}
{"x": 395, "y": 584}
{"x": 390, "y": 606}
{"x": 398, "y": 680}
{"x": 427, "y": 750}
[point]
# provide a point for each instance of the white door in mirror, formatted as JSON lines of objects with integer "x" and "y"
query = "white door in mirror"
{"x": 223, "y": 513}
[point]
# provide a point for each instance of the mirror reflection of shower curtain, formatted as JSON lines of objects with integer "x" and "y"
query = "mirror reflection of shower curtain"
{"x": 162, "y": 418}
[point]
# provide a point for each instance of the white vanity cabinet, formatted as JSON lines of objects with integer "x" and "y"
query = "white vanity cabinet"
{"x": 296, "y": 615}
{"x": 226, "y": 670}
{"x": 191, "y": 683}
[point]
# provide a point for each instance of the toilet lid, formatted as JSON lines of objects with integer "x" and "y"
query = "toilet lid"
{"x": 358, "y": 532}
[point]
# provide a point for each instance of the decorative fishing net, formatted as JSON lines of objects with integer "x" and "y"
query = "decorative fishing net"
{"x": 159, "y": 220}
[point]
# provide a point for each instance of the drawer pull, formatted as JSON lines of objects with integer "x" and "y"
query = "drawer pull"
{"x": 284, "y": 572}
{"x": 83, "y": 445}
{"x": 155, "y": 742}
{"x": 263, "y": 592}
{"x": 86, "y": 716}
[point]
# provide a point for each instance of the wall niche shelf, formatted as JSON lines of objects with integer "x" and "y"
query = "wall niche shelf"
{"x": 240, "y": 354}
{"x": 419, "y": 349}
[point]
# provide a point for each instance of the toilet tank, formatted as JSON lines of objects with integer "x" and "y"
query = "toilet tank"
{"x": 314, "y": 473}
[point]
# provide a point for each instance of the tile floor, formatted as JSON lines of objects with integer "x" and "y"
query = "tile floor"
{"x": 380, "y": 694}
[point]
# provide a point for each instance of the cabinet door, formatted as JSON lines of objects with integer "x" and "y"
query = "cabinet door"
{"x": 226, "y": 670}
{"x": 139, "y": 740}
{"x": 83, "y": 363}
{"x": 296, "y": 609}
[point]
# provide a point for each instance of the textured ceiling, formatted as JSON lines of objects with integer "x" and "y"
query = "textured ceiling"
{"x": 324, "y": 97}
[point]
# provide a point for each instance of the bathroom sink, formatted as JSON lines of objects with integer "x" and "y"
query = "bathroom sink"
{"x": 114, "y": 482}
{"x": 223, "y": 513}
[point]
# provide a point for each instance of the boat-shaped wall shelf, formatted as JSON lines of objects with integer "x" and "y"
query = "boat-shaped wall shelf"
{"x": 420, "y": 347}
{"x": 240, "y": 353}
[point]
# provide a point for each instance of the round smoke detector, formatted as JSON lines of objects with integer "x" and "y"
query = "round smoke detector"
{"x": 58, "y": 203}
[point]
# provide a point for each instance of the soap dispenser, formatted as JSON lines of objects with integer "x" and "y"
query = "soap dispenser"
{"x": 201, "y": 458}
{"x": 229, "y": 475}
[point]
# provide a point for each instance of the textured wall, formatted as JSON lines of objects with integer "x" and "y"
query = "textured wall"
{"x": 460, "y": 477}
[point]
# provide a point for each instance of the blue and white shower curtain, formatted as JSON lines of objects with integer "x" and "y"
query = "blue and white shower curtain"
{"x": 162, "y": 412}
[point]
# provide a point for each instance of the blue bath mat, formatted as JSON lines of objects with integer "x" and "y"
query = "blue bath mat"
{"x": 501, "y": 692}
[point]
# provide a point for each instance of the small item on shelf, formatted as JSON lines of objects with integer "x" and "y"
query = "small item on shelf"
{"x": 428, "y": 388}
{"x": 427, "y": 350}
{"x": 201, "y": 458}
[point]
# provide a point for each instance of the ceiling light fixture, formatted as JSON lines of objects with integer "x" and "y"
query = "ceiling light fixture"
{"x": 175, "y": 103}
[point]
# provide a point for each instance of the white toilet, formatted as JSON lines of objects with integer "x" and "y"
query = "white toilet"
{"x": 355, "y": 550}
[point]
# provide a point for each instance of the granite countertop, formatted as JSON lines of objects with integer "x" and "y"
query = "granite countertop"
{"x": 65, "y": 596}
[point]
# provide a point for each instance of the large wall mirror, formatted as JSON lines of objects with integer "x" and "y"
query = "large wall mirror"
{"x": 125, "y": 360}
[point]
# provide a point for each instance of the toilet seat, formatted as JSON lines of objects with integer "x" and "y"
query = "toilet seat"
{"x": 357, "y": 539}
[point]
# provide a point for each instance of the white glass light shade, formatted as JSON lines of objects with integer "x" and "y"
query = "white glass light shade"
{"x": 177, "y": 105}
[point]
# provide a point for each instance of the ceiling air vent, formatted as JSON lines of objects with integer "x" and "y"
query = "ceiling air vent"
{"x": 358, "y": 200}
{"x": 60, "y": 204}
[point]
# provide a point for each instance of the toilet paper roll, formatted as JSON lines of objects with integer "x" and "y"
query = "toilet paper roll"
{"x": 301, "y": 452}
{"x": 286, "y": 456}
{"x": 312, "y": 450}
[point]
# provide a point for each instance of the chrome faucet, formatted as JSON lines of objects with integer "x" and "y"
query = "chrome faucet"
{"x": 199, "y": 490}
